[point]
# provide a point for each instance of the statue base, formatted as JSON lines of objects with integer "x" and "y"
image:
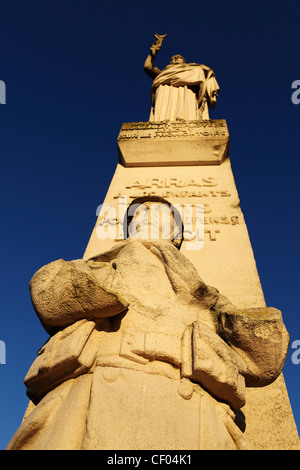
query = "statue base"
{"x": 173, "y": 143}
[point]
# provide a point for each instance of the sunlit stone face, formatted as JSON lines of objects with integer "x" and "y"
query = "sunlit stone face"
{"x": 177, "y": 59}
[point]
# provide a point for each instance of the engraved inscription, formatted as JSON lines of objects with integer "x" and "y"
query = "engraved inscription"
{"x": 171, "y": 129}
{"x": 176, "y": 187}
{"x": 227, "y": 220}
{"x": 172, "y": 182}
{"x": 212, "y": 234}
{"x": 204, "y": 189}
{"x": 178, "y": 194}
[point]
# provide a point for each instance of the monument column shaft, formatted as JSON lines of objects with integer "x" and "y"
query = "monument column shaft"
{"x": 189, "y": 165}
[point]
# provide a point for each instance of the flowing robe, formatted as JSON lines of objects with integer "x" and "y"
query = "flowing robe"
{"x": 183, "y": 92}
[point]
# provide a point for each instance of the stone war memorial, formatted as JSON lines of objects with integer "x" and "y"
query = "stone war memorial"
{"x": 159, "y": 337}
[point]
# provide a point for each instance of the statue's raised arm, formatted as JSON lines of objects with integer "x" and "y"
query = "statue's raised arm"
{"x": 154, "y": 49}
{"x": 180, "y": 90}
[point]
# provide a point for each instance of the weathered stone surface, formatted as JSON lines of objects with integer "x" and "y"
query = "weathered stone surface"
{"x": 167, "y": 143}
{"x": 225, "y": 261}
{"x": 156, "y": 354}
{"x": 63, "y": 292}
{"x": 259, "y": 337}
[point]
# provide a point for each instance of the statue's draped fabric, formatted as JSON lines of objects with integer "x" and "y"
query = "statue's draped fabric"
{"x": 183, "y": 92}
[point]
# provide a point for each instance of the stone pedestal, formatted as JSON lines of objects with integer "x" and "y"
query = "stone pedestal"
{"x": 188, "y": 163}
{"x": 166, "y": 143}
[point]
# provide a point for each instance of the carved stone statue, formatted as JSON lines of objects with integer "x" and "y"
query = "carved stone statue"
{"x": 180, "y": 90}
{"x": 142, "y": 353}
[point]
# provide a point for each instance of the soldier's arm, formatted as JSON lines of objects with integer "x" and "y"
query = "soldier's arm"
{"x": 64, "y": 292}
{"x": 259, "y": 336}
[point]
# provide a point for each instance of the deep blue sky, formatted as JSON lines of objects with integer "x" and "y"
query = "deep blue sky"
{"x": 74, "y": 73}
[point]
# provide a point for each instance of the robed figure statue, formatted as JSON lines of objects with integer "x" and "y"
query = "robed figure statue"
{"x": 180, "y": 90}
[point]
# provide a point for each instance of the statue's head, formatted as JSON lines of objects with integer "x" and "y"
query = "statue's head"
{"x": 154, "y": 218}
{"x": 177, "y": 60}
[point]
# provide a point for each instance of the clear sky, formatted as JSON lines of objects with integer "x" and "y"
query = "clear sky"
{"x": 74, "y": 73}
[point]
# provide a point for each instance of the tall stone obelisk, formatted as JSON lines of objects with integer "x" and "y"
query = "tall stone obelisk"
{"x": 160, "y": 337}
{"x": 186, "y": 161}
